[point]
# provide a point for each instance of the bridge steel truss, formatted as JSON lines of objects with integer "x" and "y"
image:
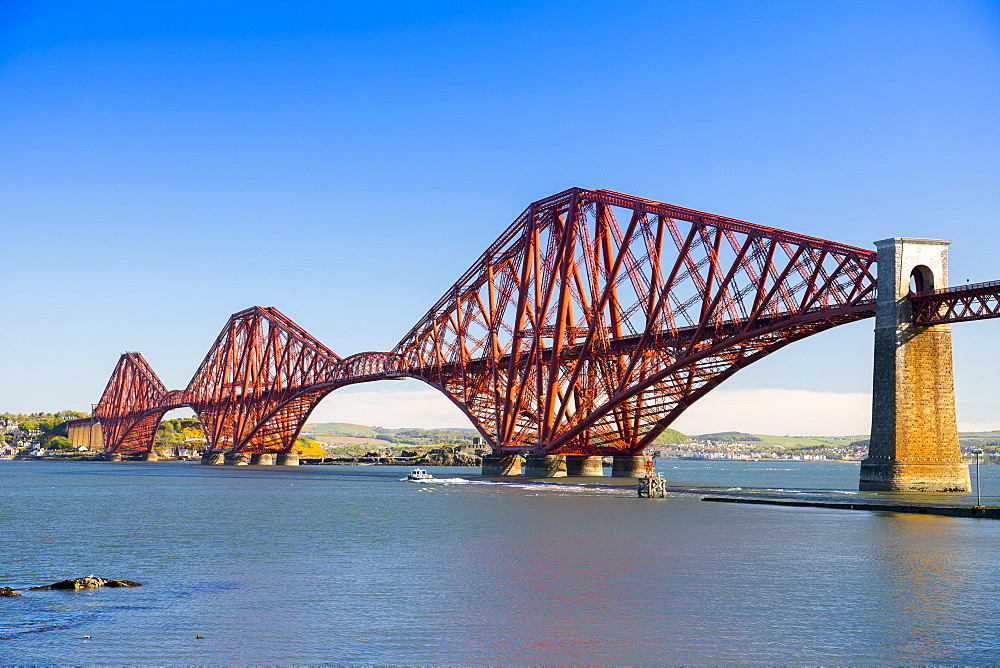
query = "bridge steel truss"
{"x": 961, "y": 303}
{"x": 591, "y": 324}
{"x": 598, "y": 317}
{"x": 253, "y": 391}
{"x": 131, "y": 407}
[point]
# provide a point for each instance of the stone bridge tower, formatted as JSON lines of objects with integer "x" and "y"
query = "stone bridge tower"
{"x": 914, "y": 439}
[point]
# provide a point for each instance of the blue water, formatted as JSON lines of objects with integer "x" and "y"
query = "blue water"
{"x": 315, "y": 565}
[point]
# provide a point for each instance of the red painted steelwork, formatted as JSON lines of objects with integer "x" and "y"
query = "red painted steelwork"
{"x": 262, "y": 378}
{"x": 957, "y": 304}
{"x": 589, "y": 325}
{"x": 597, "y": 318}
{"x": 131, "y": 406}
{"x": 253, "y": 392}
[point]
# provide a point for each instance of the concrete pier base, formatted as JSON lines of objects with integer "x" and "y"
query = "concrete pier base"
{"x": 112, "y": 456}
{"x": 503, "y": 465}
{"x": 288, "y": 459}
{"x": 150, "y": 457}
{"x": 584, "y": 465}
{"x": 545, "y": 466}
{"x": 629, "y": 466}
{"x": 262, "y": 459}
{"x": 213, "y": 459}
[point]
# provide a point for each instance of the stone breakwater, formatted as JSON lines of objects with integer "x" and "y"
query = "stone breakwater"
{"x": 920, "y": 509}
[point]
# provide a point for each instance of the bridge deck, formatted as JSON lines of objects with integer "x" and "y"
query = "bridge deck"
{"x": 962, "y": 303}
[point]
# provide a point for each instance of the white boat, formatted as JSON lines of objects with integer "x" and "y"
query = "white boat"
{"x": 416, "y": 475}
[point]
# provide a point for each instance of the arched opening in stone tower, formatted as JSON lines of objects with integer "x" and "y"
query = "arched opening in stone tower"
{"x": 921, "y": 279}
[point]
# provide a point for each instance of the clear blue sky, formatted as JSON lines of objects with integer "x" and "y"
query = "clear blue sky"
{"x": 164, "y": 164}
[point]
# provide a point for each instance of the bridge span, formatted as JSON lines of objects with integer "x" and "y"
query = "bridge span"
{"x": 585, "y": 330}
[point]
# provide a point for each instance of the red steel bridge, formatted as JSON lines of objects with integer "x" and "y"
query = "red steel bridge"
{"x": 586, "y": 328}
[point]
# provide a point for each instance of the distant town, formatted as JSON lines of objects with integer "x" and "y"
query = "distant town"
{"x": 52, "y": 435}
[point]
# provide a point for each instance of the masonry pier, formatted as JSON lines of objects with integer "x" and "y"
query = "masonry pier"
{"x": 502, "y": 465}
{"x": 914, "y": 440}
{"x": 545, "y": 466}
{"x": 246, "y": 458}
{"x": 213, "y": 459}
{"x": 288, "y": 459}
{"x": 584, "y": 465}
{"x": 237, "y": 458}
{"x": 559, "y": 466}
{"x": 629, "y": 466}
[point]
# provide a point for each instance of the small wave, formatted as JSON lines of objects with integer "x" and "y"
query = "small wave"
{"x": 40, "y": 629}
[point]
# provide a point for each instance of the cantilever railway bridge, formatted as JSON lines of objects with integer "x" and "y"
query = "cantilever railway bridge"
{"x": 586, "y": 328}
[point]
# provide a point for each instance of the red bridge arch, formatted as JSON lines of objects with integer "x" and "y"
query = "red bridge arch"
{"x": 591, "y": 323}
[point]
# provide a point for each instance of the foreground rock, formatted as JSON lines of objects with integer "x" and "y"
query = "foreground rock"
{"x": 77, "y": 584}
{"x": 8, "y": 592}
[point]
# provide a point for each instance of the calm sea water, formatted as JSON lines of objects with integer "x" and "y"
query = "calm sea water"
{"x": 315, "y": 565}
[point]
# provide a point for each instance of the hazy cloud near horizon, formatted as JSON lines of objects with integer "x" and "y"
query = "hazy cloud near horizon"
{"x": 759, "y": 410}
{"x": 769, "y": 410}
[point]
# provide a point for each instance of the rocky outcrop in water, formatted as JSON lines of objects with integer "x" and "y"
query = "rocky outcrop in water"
{"x": 91, "y": 582}
{"x": 6, "y": 592}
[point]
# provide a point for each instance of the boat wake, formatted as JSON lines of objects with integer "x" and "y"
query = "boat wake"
{"x": 540, "y": 486}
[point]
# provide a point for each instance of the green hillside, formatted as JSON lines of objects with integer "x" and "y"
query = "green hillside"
{"x": 728, "y": 437}
{"x": 671, "y": 436}
{"x": 340, "y": 429}
{"x": 990, "y": 436}
{"x": 988, "y": 441}
{"x": 399, "y": 436}
{"x": 806, "y": 441}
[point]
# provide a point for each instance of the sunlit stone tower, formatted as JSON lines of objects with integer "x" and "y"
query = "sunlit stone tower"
{"x": 914, "y": 440}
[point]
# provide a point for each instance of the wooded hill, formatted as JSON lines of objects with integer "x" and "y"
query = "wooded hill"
{"x": 52, "y": 426}
{"x": 405, "y": 436}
